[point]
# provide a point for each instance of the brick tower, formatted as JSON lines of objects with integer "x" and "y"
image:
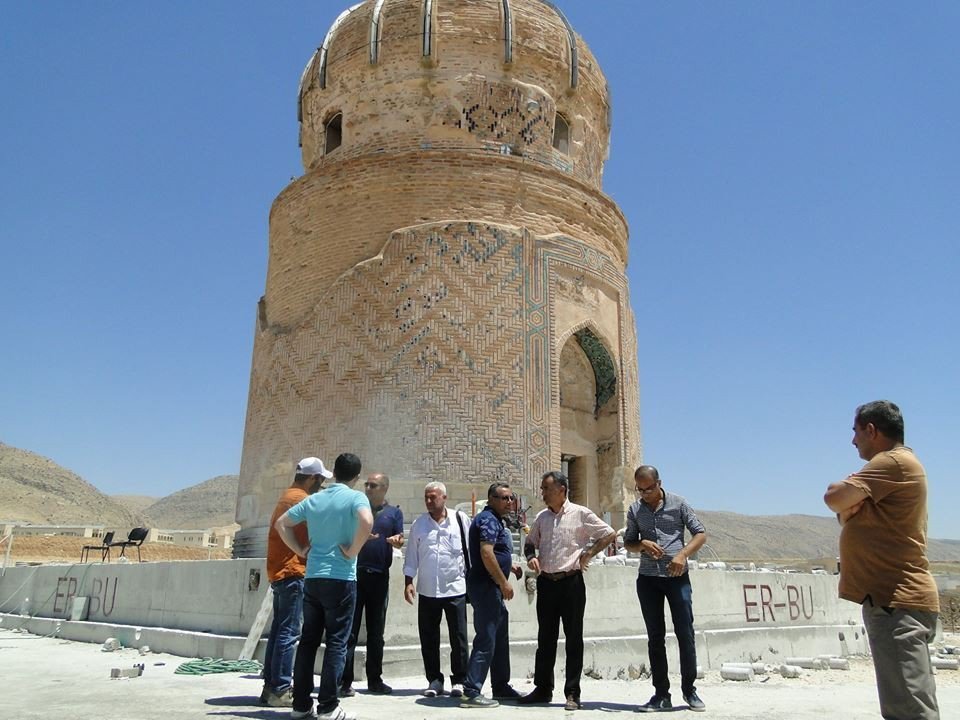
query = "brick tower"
{"x": 446, "y": 293}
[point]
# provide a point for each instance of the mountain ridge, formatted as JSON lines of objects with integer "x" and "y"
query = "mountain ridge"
{"x": 35, "y": 489}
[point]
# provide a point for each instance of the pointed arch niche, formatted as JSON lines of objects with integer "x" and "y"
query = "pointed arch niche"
{"x": 589, "y": 422}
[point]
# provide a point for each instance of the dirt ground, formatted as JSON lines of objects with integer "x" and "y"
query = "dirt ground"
{"x": 43, "y": 549}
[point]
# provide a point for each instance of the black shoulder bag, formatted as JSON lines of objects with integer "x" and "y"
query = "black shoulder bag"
{"x": 464, "y": 547}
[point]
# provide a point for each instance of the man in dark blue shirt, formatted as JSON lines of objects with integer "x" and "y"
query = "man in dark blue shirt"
{"x": 373, "y": 574}
{"x": 488, "y": 585}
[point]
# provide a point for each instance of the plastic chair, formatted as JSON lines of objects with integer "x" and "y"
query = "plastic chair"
{"x": 104, "y": 549}
{"x": 135, "y": 539}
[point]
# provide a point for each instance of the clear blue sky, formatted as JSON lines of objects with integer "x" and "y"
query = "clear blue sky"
{"x": 790, "y": 173}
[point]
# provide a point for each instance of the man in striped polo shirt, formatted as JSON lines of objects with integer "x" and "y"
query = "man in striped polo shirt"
{"x": 655, "y": 526}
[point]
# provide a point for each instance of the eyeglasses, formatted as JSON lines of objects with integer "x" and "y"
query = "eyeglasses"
{"x": 649, "y": 489}
{"x": 371, "y": 485}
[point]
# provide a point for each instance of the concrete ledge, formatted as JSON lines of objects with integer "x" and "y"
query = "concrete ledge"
{"x": 184, "y": 643}
{"x": 206, "y": 609}
{"x": 611, "y": 657}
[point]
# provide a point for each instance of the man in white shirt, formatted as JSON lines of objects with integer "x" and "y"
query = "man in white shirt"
{"x": 436, "y": 556}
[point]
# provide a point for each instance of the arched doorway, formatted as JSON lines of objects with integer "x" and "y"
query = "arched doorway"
{"x": 589, "y": 422}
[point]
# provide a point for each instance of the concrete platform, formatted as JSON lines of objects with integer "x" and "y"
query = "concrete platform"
{"x": 53, "y": 678}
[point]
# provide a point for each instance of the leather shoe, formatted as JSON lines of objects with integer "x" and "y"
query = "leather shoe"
{"x": 694, "y": 702}
{"x": 572, "y": 703}
{"x": 536, "y": 697}
{"x": 657, "y": 703}
{"x": 506, "y": 693}
{"x": 379, "y": 688}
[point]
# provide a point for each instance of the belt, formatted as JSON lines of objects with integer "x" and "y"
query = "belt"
{"x": 559, "y": 575}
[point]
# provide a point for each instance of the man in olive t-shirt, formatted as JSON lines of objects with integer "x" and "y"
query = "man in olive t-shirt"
{"x": 883, "y": 561}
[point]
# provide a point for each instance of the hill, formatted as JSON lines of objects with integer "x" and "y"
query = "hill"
{"x": 769, "y": 537}
{"x": 37, "y": 490}
{"x": 785, "y": 537}
{"x": 135, "y": 503}
{"x": 210, "y": 504}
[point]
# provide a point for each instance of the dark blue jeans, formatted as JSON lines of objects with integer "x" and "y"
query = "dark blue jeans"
{"x": 284, "y": 633}
{"x": 327, "y": 611}
{"x": 679, "y": 596}
{"x": 491, "y": 640}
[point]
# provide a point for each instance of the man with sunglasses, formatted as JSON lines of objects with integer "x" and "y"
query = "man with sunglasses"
{"x": 373, "y": 575}
{"x": 488, "y": 585}
{"x": 655, "y": 527}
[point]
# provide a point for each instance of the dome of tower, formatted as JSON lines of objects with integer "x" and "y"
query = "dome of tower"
{"x": 507, "y": 77}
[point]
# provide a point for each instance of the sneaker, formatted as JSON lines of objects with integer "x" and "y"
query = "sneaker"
{"x": 536, "y": 697}
{"x": 477, "y": 701}
{"x": 506, "y": 693}
{"x": 435, "y": 688}
{"x": 572, "y": 703}
{"x": 694, "y": 702}
{"x": 338, "y": 713}
{"x": 379, "y": 688}
{"x": 656, "y": 704}
{"x": 456, "y": 690}
{"x": 302, "y": 714}
{"x": 283, "y": 699}
{"x": 346, "y": 691}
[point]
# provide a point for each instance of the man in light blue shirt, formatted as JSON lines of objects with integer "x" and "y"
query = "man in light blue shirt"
{"x": 338, "y": 521}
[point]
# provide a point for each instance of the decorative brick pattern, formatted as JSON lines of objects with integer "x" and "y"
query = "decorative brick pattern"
{"x": 505, "y": 113}
{"x": 404, "y": 101}
{"x": 424, "y": 275}
{"x": 414, "y": 360}
{"x": 436, "y": 360}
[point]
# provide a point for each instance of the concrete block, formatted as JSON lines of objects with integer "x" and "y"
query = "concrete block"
{"x": 740, "y": 673}
{"x": 808, "y": 663}
{"x": 79, "y": 608}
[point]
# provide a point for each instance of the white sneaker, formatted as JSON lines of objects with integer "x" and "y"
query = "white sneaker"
{"x": 338, "y": 713}
{"x": 456, "y": 690}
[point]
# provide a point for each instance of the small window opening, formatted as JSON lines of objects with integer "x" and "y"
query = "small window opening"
{"x": 561, "y": 134}
{"x": 333, "y": 132}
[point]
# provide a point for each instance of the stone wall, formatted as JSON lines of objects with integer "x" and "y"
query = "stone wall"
{"x": 739, "y": 615}
{"x": 465, "y": 94}
{"x": 436, "y": 360}
{"x": 426, "y": 271}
